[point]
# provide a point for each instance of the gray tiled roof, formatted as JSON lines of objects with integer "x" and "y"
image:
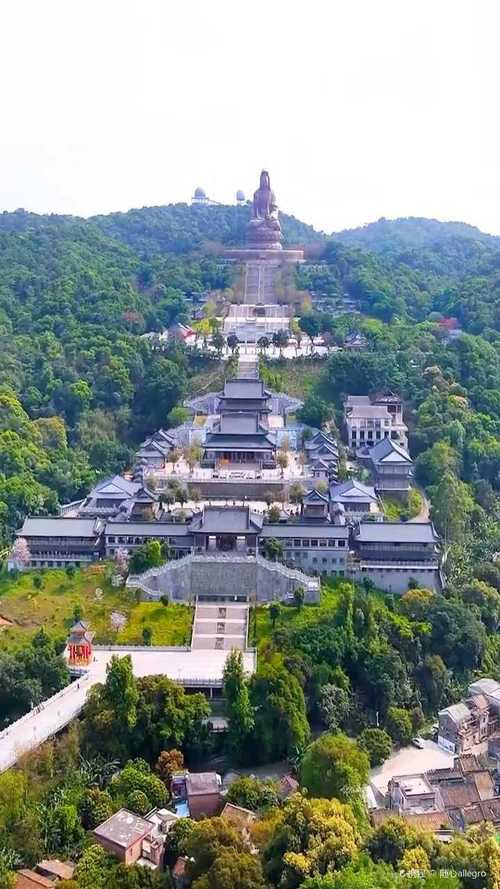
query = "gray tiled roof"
{"x": 387, "y": 451}
{"x": 243, "y": 404}
{"x": 44, "y": 526}
{"x": 147, "y": 529}
{"x": 315, "y": 496}
{"x": 396, "y": 532}
{"x": 241, "y": 388}
{"x": 115, "y": 484}
{"x": 217, "y": 440}
{"x": 352, "y": 491}
{"x": 299, "y": 529}
{"x": 227, "y": 520}
{"x": 239, "y": 424}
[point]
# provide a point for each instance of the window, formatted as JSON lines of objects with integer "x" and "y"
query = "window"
{"x": 296, "y": 542}
{"x": 305, "y": 543}
{"x": 314, "y": 542}
{"x": 331, "y": 543}
{"x": 324, "y": 560}
{"x": 341, "y": 542}
{"x": 322, "y": 542}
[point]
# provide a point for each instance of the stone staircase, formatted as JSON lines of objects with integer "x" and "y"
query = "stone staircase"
{"x": 260, "y": 283}
{"x": 220, "y": 626}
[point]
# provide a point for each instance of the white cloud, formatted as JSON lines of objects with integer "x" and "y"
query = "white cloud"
{"x": 358, "y": 108}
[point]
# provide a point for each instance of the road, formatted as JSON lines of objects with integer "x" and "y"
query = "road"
{"x": 424, "y": 514}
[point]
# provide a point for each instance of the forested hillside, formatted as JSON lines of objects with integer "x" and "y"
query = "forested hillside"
{"x": 457, "y": 277}
{"x": 396, "y": 235}
{"x": 80, "y": 387}
{"x": 175, "y": 228}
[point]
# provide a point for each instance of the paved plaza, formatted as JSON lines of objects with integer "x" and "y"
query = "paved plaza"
{"x": 410, "y": 761}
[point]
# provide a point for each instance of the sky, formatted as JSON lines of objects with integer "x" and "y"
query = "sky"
{"x": 358, "y": 108}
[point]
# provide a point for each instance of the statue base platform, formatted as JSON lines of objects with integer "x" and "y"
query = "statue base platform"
{"x": 247, "y": 254}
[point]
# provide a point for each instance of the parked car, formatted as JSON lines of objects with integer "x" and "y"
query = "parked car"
{"x": 418, "y": 742}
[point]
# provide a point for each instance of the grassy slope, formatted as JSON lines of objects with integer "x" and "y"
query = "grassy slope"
{"x": 297, "y": 377}
{"x": 52, "y": 607}
{"x": 290, "y": 615}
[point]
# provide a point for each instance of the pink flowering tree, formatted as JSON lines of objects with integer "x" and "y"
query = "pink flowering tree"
{"x": 20, "y": 552}
{"x": 121, "y": 560}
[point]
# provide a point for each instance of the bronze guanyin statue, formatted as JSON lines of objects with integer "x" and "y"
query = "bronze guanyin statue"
{"x": 264, "y": 229}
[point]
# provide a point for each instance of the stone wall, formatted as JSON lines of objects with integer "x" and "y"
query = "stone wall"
{"x": 224, "y": 576}
{"x": 396, "y": 581}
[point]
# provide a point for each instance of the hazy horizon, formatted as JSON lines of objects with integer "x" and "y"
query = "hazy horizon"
{"x": 358, "y": 110}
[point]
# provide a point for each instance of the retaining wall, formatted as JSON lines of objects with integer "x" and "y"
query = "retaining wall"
{"x": 225, "y": 577}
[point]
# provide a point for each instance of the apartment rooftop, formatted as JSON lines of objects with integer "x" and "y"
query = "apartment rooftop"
{"x": 413, "y": 785}
{"x": 123, "y": 828}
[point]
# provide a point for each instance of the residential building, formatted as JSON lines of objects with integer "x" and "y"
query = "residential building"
{"x": 456, "y": 796}
{"x": 136, "y": 840}
{"x": 29, "y": 879}
{"x": 390, "y": 554}
{"x": 437, "y": 823}
{"x": 59, "y": 542}
{"x": 411, "y": 793}
{"x": 55, "y": 870}
{"x": 477, "y": 813}
{"x": 203, "y": 793}
{"x": 122, "y": 835}
{"x": 355, "y": 342}
{"x": 369, "y": 420}
{"x": 183, "y": 332}
{"x": 490, "y": 688}
{"x": 242, "y": 819}
{"x": 472, "y": 721}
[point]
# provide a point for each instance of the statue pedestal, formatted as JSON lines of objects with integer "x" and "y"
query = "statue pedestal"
{"x": 247, "y": 254}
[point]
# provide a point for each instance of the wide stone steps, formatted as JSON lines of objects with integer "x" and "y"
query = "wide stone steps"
{"x": 260, "y": 283}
